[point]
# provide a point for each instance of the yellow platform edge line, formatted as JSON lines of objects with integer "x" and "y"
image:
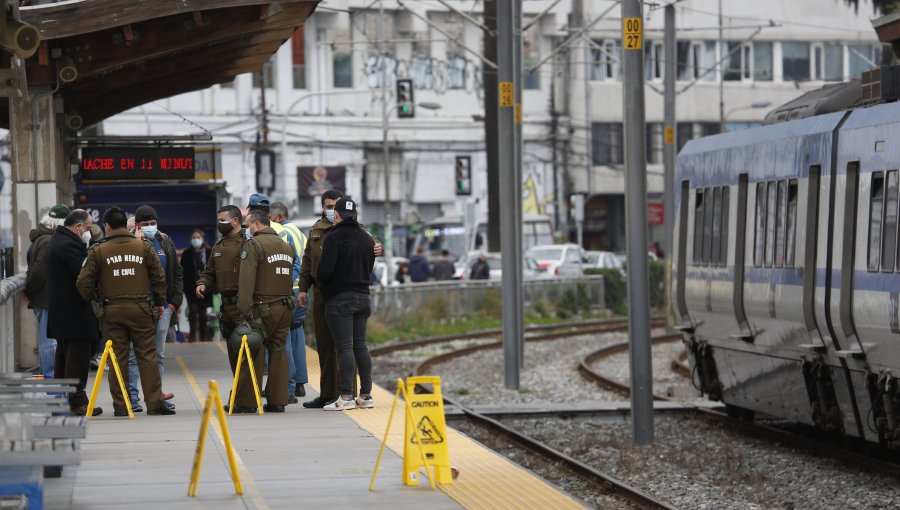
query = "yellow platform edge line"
{"x": 247, "y": 480}
{"x": 487, "y": 479}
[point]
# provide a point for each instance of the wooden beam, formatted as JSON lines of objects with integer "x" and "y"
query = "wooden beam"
{"x": 55, "y": 21}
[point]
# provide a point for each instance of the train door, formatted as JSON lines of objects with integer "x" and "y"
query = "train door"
{"x": 683, "y": 210}
{"x": 739, "y": 259}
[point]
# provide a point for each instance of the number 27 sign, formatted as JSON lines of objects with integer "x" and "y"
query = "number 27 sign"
{"x": 633, "y": 34}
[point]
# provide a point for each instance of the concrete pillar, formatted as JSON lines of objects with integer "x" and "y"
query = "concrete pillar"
{"x": 35, "y": 160}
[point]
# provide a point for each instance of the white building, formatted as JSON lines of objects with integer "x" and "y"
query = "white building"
{"x": 323, "y": 99}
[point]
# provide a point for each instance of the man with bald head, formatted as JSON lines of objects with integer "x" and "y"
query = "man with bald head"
{"x": 70, "y": 319}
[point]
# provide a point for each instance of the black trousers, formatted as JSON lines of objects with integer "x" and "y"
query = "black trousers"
{"x": 73, "y": 361}
{"x": 347, "y": 315}
{"x": 198, "y": 320}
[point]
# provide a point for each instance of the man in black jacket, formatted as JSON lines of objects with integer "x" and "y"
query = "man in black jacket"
{"x": 70, "y": 319}
{"x": 343, "y": 273}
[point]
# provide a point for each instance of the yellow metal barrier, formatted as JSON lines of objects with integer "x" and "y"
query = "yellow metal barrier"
{"x": 213, "y": 400}
{"x": 108, "y": 353}
{"x": 237, "y": 372}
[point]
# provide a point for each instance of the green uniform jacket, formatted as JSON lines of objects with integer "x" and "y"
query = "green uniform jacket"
{"x": 36, "y": 277}
{"x": 223, "y": 266}
{"x": 266, "y": 263}
{"x": 90, "y": 276}
{"x": 313, "y": 253}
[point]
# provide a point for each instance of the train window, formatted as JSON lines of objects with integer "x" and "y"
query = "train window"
{"x": 875, "y": 220}
{"x": 708, "y": 227}
{"x": 889, "y": 234}
{"x": 770, "y": 223}
{"x": 723, "y": 253}
{"x": 716, "y": 226}
{"x": 698, "y": 227}
{"x": 759, "y": 248}
{"x": 791, "y": 223}
{"x": 780, "y": 223}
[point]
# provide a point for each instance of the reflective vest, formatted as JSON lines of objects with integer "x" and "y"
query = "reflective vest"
{"x": 299, "y": 241}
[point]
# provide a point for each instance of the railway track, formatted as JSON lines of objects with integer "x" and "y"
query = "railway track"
{"x": 604, "y": 482}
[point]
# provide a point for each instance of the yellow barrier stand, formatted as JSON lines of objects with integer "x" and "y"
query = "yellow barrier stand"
{"x": 426, "y": 428}
{"x": 431, "y": 445}
{"x": 108, "y": 353}
{"x": 213, "y": 400}
{"x": 237, "y": 372}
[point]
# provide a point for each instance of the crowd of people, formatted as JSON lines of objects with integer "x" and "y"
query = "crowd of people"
{"x": 126, "y": 283}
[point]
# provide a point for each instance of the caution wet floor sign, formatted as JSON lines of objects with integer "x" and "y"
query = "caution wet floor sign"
{"x": 426, "y": 428}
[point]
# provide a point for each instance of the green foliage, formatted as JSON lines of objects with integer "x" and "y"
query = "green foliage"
{"x": 657, "y": 270}
{"x": 566, "y": 305}
{"x": 614, "y": 289}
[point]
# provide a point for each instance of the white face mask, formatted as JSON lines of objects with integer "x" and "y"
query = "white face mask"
{"x": 86, "y": 237}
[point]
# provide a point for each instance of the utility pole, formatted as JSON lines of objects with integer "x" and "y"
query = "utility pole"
{"x": 385, "y": 152}
{"x": 669, "y": 147}
{"x": 636, "y": 220}
{"x": 491, "y": 127}
{"x": 510, "y": 193}
{"x": 517, "y": 254}
{"x": 722, "y": 51}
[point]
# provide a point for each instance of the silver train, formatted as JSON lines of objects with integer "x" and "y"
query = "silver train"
{"x": 786, "y": 269}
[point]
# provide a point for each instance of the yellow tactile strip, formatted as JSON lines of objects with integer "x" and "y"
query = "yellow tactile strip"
{"x": 487, "y": 480}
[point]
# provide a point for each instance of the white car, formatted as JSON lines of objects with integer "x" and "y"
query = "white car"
{"x": 530, "y": 268}
{"x": 559, "y": 259}
{"x": 603, "y": 260}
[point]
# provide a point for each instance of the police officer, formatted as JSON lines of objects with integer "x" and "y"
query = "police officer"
{"x": 221, "y": 275}
{"x": 265, "y": 300}
{"x": 123, "y": 271}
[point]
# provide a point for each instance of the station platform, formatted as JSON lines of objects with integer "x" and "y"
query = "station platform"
{"x": 303, "y": 458}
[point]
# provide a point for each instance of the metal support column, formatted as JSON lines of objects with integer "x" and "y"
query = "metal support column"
{"x": 517, "y": 254}
{"x": 385, "y": 152}
{"x": 669, "y": 148}
{"x": 510, "y": 194}
{"x": 636, "y": 221}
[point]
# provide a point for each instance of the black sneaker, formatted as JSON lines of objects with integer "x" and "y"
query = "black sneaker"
{"x": 300, "y": 391}
{"x": 240, "y": 409}
{"x": 292, "y": 400}
{"x": 162, "y": 411}
{"x": 120, "y": 413}
{"x": 273, "y": 408}
{"x": 317, "y": 403}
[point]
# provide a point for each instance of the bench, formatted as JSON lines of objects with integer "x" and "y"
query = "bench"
{"x": 35, "y": 440}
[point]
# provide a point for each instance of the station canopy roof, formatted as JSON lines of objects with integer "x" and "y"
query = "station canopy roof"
{"x": 131, "y": 52}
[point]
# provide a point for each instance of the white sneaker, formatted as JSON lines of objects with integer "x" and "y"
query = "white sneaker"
{"x": 341, "y": 405}
{"x": 365, "y": 402}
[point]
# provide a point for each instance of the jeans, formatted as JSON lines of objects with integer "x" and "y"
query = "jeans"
{"x": 295, "y": 347}
{"x": 162, "y": 329}
{"x": 347, "y": 315}
{"x": 46, "y": 345}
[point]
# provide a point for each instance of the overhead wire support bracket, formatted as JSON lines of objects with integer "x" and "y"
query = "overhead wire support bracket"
{"x": 574, "y": 37}
{"x": 468, "y": 18}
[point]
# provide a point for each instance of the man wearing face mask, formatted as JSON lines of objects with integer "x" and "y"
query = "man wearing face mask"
{"x": 266, "y": 303}
{"x": 222, "y": 274}
{"x": 328, "y": 363}
{"x": 146, "y": 219}
{"x": 70, "y": 319}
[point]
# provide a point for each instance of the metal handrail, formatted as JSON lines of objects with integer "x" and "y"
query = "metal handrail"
{"x": 9, "y": 287}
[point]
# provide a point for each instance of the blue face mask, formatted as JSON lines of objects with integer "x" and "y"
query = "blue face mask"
{"x": 329, "y": 215}
{"x": 196, "y": 243}
{"x": 149, "y": 231}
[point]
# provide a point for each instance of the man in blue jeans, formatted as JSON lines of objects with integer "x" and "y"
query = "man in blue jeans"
{"x": 343, "y": 272}
{"x": 147, "y": 226}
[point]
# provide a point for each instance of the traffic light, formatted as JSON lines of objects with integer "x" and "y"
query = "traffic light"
{"x": 463, "y": 175}
{"x": 405, "y": 106}
{"x": 21, "y": 39}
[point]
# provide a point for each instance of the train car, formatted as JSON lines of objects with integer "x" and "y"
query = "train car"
{"x": 786, "y": 269}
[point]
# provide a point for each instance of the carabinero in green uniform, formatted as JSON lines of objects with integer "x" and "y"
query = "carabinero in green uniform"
{"x": 222, "y": 275}
{"x": 122, "y": 275}
{"x": 266, "y": 302}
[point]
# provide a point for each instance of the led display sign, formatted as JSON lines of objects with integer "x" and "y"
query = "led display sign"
{"x": 157, "y": 163}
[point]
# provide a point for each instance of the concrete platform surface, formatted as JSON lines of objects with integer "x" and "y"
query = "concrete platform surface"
{"x": 303, "y": 458}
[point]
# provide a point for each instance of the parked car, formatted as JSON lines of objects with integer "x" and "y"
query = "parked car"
{"x": 603, "y": 260}
{"x": 530, "y": 268}
{"x": 559, "y": 259}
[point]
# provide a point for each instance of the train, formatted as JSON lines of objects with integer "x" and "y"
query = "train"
{"x": 786, "y": 266}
